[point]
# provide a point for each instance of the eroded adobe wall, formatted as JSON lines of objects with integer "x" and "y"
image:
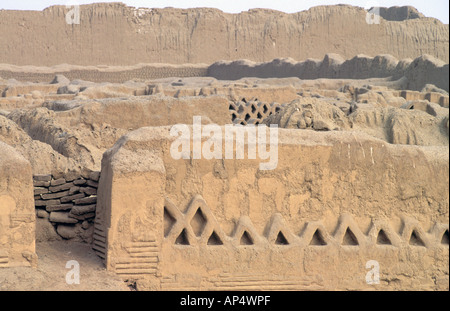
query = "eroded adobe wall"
{"x": 17, "y": 218}
{"x": 416, "y": 73}
{"x": 117, "y": 75}
{"x": 115, "y": 34}
{"x": 411, "y": 74}
{"x": 335, "y": 201}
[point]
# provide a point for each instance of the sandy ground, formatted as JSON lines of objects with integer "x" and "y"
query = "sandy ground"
{"x": 50, "y": 274}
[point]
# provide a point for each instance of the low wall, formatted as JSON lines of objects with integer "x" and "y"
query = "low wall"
{"x": 411, "y": 74}
{"x": 432, "y": 97}
{"x": 141, "y": 111}
{"x": 117, "y": 75}
{"x": 335, "y": 203}
{"x": 17, "y": 218}
{"x": 417, "y": 73}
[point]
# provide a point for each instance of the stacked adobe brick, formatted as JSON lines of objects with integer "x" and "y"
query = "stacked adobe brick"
{"x": 68, "y": 202}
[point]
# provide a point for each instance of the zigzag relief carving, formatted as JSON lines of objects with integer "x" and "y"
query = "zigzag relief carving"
{"x": 444, "y": 239}
{"x": 279, "y": 232}
{"x": 414, "y": 234}
{"x": 440, "y": 233}
{"x": 198, "y": 226}
{"x": 315, "y": 234}
{"x": 381, "y": 233}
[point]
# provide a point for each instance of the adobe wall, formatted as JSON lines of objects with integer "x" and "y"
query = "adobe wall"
{"x": 414, "y": 74}
{"x": 118, "y": 75}
{"x": 411, "y": 74}
{"x": 17, "y": 217}
{"x": 335, "y": 201}
{"x": 116, "y": 34}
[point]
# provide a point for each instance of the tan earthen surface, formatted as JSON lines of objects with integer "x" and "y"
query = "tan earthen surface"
{"x": 361, "y": 170}
{"x": 312, "y": 223}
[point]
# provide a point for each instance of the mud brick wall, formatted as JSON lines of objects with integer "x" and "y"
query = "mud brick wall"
{"x": 223, "y": 224}
{"x": 68, "y": 202}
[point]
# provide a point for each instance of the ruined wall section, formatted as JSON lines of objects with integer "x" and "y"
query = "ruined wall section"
{"x": 408, "y": 74}
{"x": 334, "y": 202}
{"x": 17, "y": 217}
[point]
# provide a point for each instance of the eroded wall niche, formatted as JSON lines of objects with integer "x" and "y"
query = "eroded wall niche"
{"x": 334, "y": 202}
